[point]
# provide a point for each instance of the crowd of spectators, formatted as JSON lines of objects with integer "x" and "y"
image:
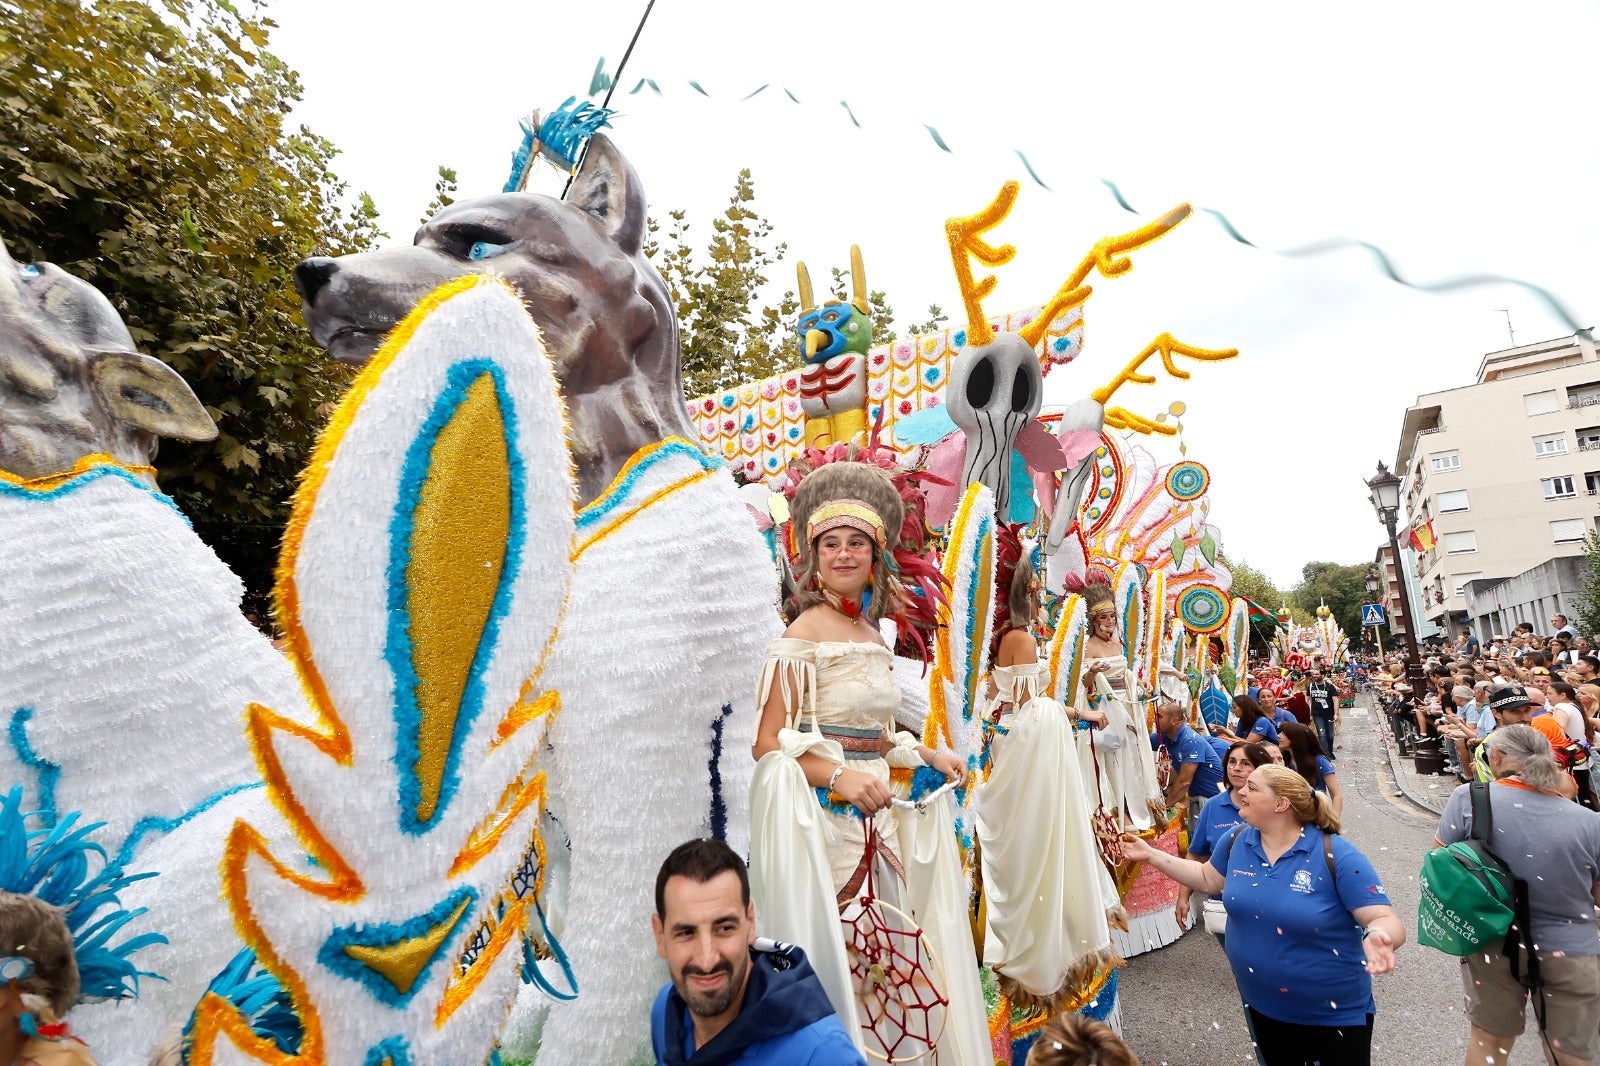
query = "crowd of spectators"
{"x": 1464, "y": 690}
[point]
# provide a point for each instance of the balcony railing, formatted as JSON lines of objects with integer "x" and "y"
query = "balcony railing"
{"x": 1583, "y": 401}
{"x": 1435, "y": 429}
{"x": 1589, "y": 445}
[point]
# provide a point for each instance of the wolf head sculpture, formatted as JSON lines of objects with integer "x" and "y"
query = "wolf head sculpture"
{"x": 578, "y": 263}
{"x": 72, "y": 383}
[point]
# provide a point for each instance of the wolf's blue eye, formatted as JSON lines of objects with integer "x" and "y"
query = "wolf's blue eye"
{"x": 28, "y": 270}
{"x": 483, "y": 250}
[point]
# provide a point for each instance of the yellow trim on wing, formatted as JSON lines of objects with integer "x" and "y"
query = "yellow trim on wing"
{"x": 86, "y": 463}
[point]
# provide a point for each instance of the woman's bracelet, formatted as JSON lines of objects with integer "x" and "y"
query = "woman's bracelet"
{"x": 835, "y": 776}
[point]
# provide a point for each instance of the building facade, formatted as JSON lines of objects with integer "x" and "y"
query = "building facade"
{"x": 1506, "y": 469}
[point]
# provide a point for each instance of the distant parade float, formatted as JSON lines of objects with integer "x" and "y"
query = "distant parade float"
{"x": 525, "y": 592}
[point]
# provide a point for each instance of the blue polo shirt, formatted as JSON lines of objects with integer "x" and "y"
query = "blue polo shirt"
{"x": 1215, "y": 821}
{"x": 1294, "y": 948}
{"x": 1190, "y": 747}
{"x": 1264, "y": 730}
{"x": 1325, "y": 768}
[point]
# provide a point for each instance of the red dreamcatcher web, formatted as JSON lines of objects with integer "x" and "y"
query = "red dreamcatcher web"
{"x": 1107, "y": 830}
{"x": 896, "y": 977}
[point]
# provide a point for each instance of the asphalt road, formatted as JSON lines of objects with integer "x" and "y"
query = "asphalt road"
{"x": 1180, "y": 1006}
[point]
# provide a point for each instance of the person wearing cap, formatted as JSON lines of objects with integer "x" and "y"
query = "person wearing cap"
{"x": 1512, "y": 706}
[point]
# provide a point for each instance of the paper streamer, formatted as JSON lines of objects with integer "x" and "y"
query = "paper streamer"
{"x": 1381, "y": 259}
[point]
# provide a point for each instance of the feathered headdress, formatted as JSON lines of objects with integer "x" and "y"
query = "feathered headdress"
{"x": 870, "y": 474}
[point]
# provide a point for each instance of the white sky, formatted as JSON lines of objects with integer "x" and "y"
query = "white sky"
{"x": 1459, "y": 136}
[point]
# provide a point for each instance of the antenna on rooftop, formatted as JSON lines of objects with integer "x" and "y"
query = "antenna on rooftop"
{"x": 1507, "y": 313}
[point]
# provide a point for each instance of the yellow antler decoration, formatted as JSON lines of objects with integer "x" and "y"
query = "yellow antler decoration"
{"x": 1102, "y": 257}
{"x": 1168, "y": 346}
{"x": 964, "y": 235}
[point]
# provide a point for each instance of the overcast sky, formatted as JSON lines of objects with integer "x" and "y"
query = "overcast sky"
{"x": 1461, "y": 137}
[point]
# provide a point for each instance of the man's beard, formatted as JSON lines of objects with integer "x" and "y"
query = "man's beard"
{"x": 711, "y": 1004}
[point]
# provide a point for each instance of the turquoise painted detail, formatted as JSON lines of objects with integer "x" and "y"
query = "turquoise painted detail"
{"x": 398, "y": 651}
{"x": 154, "y": 824}
{"x": 99, "y": 472}
{"x": 623, "y": 488}
{"x": 49, "y": 774}
{"x": 392, "y": 1051}
{"x": 332, "y": 953}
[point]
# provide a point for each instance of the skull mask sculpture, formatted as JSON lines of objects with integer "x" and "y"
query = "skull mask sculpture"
{"x": 994, "y": 391}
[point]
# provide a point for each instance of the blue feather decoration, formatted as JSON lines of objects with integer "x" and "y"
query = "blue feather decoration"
{"x": 568, "y": 128}
{"x": 520, "y": 159}
{"x": 66, "y": 868}
{"x": 257, "y": 995}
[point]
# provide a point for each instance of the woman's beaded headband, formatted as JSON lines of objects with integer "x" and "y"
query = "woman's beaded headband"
{"x": 852, "y": 513}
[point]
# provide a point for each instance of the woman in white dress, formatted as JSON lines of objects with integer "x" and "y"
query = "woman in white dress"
{"x": 1127, "y": 786}
{"x": 827, "y": 701}
{"x": 1045, "y": 922}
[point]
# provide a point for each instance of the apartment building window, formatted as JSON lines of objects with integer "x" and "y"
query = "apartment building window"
{"x": 1443, "y": 461}
{"x": 1459, "y": 543}
{"x": 1589, "y": 439}
{"x": 1558, "y": 488}
{"x": 1550, "y": 444}
{"x": 1454, "y": 500}
{"x": 1585, "y": 395}
{"x": 1567, "y": 530}
{"x": 1541, "y": 403}
{"x": 1591, "y": 481}
{"x": 1462, "y": 579}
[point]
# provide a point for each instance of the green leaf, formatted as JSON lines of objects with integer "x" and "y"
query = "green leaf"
{"x": 1208, "y": 549}
{"x": 1177, "y": 548}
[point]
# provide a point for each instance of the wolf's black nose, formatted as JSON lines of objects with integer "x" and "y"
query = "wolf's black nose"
{"x": 311, "y": 275}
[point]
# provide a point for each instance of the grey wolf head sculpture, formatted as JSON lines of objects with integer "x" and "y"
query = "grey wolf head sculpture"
{"x": 606, "y": 315}
{"x": 71, "y": 382}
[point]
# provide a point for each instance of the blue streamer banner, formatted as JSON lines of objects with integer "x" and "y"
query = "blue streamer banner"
{"x": 601, "y": 81}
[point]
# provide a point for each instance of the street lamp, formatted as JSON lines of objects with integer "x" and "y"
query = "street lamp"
{"x": 1385, "y": 490}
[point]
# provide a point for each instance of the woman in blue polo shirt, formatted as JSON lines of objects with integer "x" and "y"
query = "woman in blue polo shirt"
{"x": 1308, "y": 921}
{"x": 1254, "y": 724}
{"x": 1221, "y": 814}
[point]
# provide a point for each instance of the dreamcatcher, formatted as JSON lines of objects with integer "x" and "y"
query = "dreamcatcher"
{"x": 1107, "y": 828}
{"x": 898, "y": 980}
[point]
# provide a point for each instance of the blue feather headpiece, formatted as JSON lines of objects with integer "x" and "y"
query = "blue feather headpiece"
{"x": 559, "y": 139}
{"x": 62, "y": 865}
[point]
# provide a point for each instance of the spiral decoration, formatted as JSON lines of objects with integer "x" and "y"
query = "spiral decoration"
{"x": 1203, "y": 608}
{"x": 1187, "y": 480}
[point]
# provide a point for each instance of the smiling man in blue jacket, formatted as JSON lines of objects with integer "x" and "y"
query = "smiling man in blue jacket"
{"x": 733, "y": 998}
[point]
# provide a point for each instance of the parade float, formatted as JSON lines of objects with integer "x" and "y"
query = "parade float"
{"x": 965, "y": 406}
{"x": 426, "y": 832}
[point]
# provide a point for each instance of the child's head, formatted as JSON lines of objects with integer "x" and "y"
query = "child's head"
{"x": 1073, "y": 1040}
{"x": 32, "y": 929}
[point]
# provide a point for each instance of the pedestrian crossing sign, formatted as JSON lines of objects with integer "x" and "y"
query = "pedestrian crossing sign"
{"x": 1372, "y": 614}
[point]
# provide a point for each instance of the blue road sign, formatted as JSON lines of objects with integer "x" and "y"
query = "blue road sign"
{"x": 1372, "y": 614}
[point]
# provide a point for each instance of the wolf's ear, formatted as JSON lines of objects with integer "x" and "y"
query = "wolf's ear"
{"x": 146, "y": 393}
{"x": 608, "y": 190}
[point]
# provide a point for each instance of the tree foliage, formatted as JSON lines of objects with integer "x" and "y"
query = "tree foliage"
{"x": 144, "y": 150}
{"x": 1588, "y": 599}
{"x": 1342, "y": 588}
{"x": 726, "y": 339}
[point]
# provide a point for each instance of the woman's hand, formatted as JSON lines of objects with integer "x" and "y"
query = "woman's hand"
{"x": 1379, "y": 948}
{"x": 1095, "y": 668}
{"x": 1095, "y": 718}
{"x": 950, "y": 766}
{"x": 1182, "y": 909}
{"x": 1136, "y": 849}
{"x": 863, "y": 791}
